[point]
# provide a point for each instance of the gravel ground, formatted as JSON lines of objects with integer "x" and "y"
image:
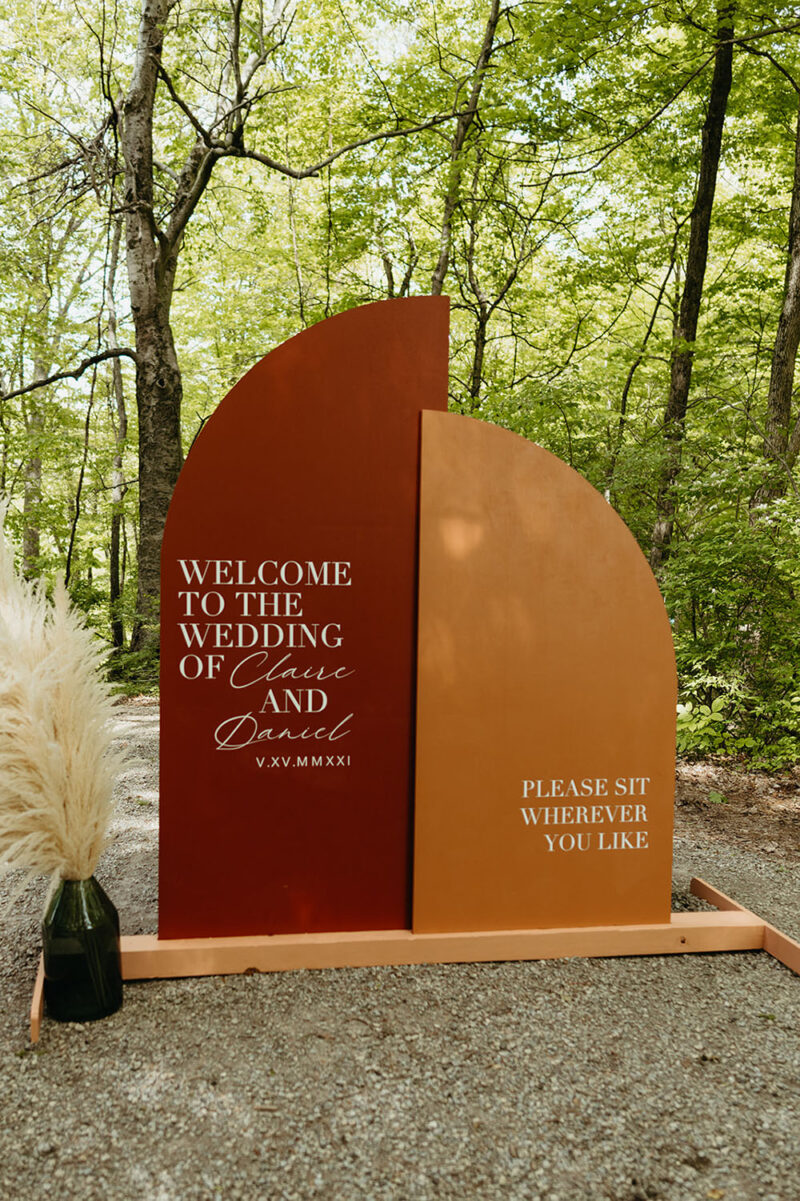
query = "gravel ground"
{"x": 621, "y": 1079}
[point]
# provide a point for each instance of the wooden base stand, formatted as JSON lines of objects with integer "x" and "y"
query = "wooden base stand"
{"x": 729, "y": 928}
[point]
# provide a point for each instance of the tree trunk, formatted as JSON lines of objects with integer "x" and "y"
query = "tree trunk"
{"x": 781, "y": 443}
{"x": 158, "y": 398}
{"x": 686, "y": 331}
{"x": 151, "y": 274}
{"x": 479, "y": 350}
{"x": 463, "y": 126}
{"x": 32, "y": 482}
{"x": 114, "y": 585}
{"x": 298, "y": 271}
{"x": 76, "y": 504}
{"x": 119, "y": 421}
{"x": 617, "y": 444}
{"x": 32, "y": 496}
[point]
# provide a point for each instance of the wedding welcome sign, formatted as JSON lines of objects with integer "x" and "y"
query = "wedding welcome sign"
{"x": 417, "y": 687}
{"x": 415, "y": 674}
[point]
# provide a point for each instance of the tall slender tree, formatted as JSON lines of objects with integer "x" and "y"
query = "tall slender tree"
{"x": 685, "y": 332}
{"x": 782, "y": 431}
{"x": 464, "y": 124}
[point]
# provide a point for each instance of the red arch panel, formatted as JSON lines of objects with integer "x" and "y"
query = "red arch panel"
{"x": 287, "y": 635}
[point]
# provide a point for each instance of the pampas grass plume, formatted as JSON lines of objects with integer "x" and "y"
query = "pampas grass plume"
{"x": 57, "y": 760}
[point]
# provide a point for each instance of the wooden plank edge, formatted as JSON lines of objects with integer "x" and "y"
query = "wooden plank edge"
{"x": 731, "y": 928}
{"x": 776, "y": 943}
{"x": 783, "y": 948}
{"x": 37, "y": 1003}
{"x": 148, "y": 957}
{"x": 720, "y": 900}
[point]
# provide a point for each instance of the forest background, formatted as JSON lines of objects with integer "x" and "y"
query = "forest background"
{"x": 608, "y": 190}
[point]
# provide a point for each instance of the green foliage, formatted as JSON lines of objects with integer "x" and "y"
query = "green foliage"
{"x": 134, "y": 673}
{"x": 701, "y": 728}
{"x": 568, "y": 237}
{"x": 733, "y": 591}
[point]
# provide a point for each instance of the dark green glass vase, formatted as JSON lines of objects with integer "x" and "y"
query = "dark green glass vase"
{"x": 82, "y": 965}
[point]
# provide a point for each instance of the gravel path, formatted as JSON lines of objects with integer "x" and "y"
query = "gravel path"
{"x": 627, "y": 1079}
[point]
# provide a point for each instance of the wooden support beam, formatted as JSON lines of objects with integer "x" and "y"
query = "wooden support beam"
{"x": 730, "y": 927}
{"x": 37, "y": 1003}
{"x": 783, "y": 948}
{"x": 777, "y": 944}
{"x": 147, "y": 957}
{"x": 707, "y": 892}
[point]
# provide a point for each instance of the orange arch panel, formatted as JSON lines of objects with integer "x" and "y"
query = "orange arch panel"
{"x": 546, "y": 696}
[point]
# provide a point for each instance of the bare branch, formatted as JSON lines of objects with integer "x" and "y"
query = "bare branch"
{"x": 778, "y": 66}
{"x": 633, "y": 133}
{"x": 200, "y": 130}
{"x": 309, "y": 172}
{"x": 194, "y": 178}
{"x": 792, "y": 27}
{"x": 741, "y": 42}
{"x": 76, "y": 373}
